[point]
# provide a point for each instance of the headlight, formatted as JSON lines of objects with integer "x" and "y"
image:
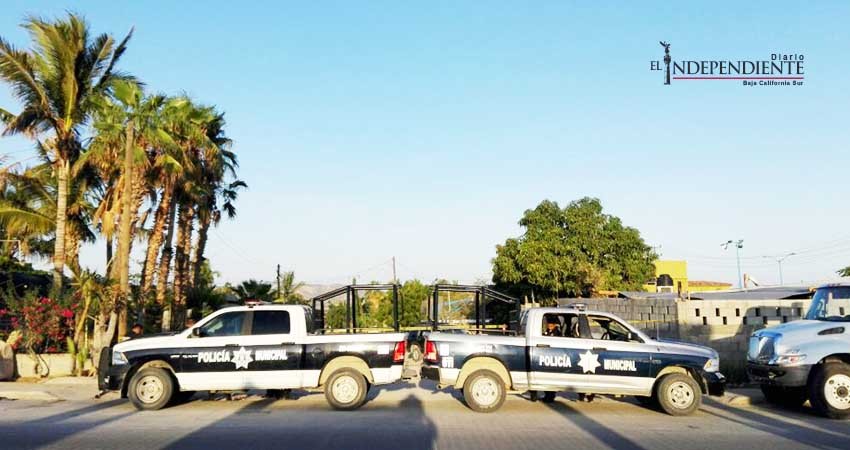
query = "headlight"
{"x": 712, "y": 365}
{"x": 118, "y": 358}
{"x": 790, "y": 358}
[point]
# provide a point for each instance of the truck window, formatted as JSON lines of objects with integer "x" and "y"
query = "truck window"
{"x": 227, "y": 324}
{"x": 606, "y": 328}
{"x": 271, "y": 322}
{"x": 560, "y": 325}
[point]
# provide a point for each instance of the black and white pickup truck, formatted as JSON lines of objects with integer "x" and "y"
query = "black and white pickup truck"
{"x": 574, "y": 350}
{"x": 252, "y": 347}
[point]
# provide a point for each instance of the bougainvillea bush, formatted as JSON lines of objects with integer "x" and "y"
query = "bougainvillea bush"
{"x": 44, "y": 324}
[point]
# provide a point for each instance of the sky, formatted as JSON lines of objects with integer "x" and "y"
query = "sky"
{"x": 367, "y": 130}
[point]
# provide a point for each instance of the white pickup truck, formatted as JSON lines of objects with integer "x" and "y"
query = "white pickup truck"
{"x": 251, "y": 347}
{"x": 571, "y": 349}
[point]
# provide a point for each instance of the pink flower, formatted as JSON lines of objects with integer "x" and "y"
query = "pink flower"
{"x": 67, "y": 313}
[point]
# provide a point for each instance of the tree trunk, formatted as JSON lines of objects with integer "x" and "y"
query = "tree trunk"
{"x": 164, "y": 269}
{"x": 156, "y": 238}
{"x": 125, "y": 234}
{"x": 63, "y": 171}
{"x": 200, "y": 247}
{"x": 181, "y": 257}
{"x": 72, "y": 252}
{"x": 108, "y": 254}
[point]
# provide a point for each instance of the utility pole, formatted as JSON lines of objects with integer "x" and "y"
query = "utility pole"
{"x": 739, "y": 244}
{"x": 395, "y": 279}
{"x": 779, "y": 260}
{"x": 278, "y": 281}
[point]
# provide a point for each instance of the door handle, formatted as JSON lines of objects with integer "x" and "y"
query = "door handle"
{"x": 543, "y": 345}
{"x": 287, "y": 343}
{"x": 231, "y": 346}
{"x": 600, "y": 349}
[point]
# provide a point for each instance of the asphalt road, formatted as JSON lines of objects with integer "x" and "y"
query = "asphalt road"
{"x": 407, "y": 417}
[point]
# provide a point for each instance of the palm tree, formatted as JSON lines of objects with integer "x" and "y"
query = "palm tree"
{"x": 57, "y": 83}
{"x": 28, "y": 214}
{"x": 252, "y": 290}
{"x": 289, "y": 289}
{"x": 135, "y": 121}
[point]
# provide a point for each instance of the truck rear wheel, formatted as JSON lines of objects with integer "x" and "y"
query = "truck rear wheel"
{"x": 151, "y": 388}
{"x": 346, "y": 389}
{"x": 678, "y": 394}
{"x": 484, "y": 391}
{"x": 829, "y": 390}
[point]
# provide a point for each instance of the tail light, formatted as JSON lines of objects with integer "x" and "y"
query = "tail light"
{"x": 398, "y": 354}
{"x": 430, "y": 351}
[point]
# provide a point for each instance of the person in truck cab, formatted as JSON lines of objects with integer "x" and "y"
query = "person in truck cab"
{"x": 553, "y": 326}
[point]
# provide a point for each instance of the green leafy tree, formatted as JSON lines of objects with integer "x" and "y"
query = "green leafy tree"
{"x": 572, "y": 251}
{"x": 413, "y": 299}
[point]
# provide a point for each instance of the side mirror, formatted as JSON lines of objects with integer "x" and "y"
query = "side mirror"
{"x": 196, "y": 332}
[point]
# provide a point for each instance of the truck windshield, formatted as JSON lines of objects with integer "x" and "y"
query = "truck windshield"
{"x": 830, "y": 304}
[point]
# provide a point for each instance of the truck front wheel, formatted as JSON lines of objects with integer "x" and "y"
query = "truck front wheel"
{"x": 678, "y": 394}
{"x": 484, "y": 391}
{"x": 151, "y": 388}
{"x": 346, "y": 389}
{"x": 829, "y": 390}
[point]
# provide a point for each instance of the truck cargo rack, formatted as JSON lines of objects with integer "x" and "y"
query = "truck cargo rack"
{"x": 482, "y": 294}
{"x": 350, "y": 291}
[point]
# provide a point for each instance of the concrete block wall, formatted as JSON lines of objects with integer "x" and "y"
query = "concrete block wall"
{"x": 651, "y": 316}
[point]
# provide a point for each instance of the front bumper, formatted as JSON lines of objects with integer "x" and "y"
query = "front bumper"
{"x": 715, "y": 383}
{"x": 773, "y": 375}
{"x": 109, "y": 377}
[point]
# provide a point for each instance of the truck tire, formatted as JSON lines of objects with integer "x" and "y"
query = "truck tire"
{"x": 484, "y": 391}
{"x": 678, "y": 394}
{"x": 791, "y": 397}
{"x": 151, "y": 388}
{"x": 548, "y": 397}
{"x": 346, "y": 389}
{"x": 829, "y": 390}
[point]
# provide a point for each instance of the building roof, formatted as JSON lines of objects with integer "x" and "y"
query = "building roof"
{"x": 761, "y": 293}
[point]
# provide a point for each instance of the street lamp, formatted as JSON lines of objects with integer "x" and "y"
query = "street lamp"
{"x": 779, "y": 260}
{"x": 739, "y": 244}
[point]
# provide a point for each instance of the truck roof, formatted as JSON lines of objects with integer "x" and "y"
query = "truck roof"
{"x": 261, "y": 307}
{"x": 563, "y": 309}
{"x": 838, "y": 284}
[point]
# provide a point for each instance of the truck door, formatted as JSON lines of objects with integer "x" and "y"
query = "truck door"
{"x": 623, "y": 359}
{"x": 274, "y": 356}
{"x": 209, "y": 360}
{"x": 555, "y": 351}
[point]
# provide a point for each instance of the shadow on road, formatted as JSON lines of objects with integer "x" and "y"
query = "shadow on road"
{"x": 407, "y": 427}
{"x": 603, "y": 433}
{"x": 50, "y": 429}
{"x": 799, "y": 434}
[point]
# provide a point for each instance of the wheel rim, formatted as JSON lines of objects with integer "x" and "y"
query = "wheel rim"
{"x": 681, "y": 395}
{"x": 149, "y": 389}
{"x": 345, "y": 389}
{"x": 837, "y": 391}
{"x": 485, "y": 391}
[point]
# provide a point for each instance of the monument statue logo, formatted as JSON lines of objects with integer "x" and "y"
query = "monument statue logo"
{"x": 667, "y": 60}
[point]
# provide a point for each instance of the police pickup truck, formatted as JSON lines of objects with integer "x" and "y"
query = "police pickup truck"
{"x": 571, "y": 349}
{"x": 809, "y": 358}
{"x": 252, "y": 347}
